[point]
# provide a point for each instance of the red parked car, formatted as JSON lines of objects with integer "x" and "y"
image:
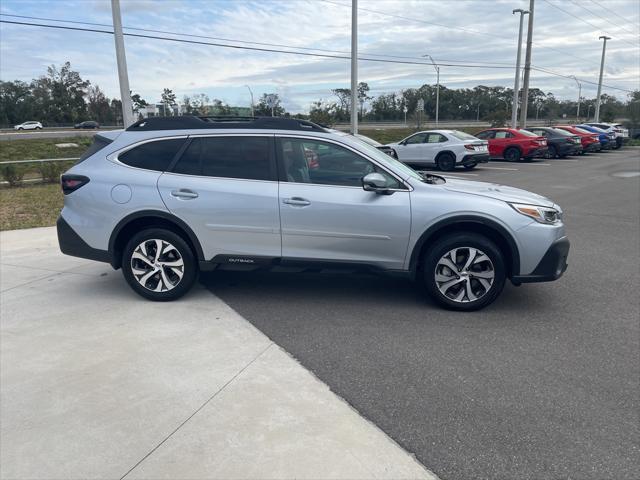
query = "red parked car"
{"x": 513, "y": 144}
{"x": 590, "y": 141}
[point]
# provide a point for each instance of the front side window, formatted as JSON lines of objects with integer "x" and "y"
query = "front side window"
{"x": 228, "y": 157}
{"x": 313, "y": 161}
{"x": 417, "y": 138}
{"x": 156, "y": 155}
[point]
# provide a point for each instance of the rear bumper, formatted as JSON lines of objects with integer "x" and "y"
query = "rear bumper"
{"x": 538, "y": 152}
{"x": 72, "y": 244}
{"x": 474, "y": 159}
{"x": 552, "y": 265}
{"x": 593, "y": 147}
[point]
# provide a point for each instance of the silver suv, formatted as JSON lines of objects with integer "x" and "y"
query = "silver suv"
{"x": 169, "y": 197}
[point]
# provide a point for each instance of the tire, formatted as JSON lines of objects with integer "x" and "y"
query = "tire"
{"x": 176, "y": 261}
{"x": 20, "y": 128}
{"x": 446, "y": 162}
{"x": 512, "y": 154}
{"x": 470, "y": 289}
{"x": 38, "y": 128}
{"x": 552, "y": 152}
{"x": 470, "y": 167}
{"x": 394, "y": 154}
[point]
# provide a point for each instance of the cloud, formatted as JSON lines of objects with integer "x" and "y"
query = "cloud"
{"x": 562, "y": 43}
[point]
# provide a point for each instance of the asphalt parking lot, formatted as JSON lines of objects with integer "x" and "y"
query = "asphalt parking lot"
{"x": 542, "y": 384}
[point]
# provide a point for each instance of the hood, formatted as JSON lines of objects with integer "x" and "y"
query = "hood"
{"x": 497, "y": 191}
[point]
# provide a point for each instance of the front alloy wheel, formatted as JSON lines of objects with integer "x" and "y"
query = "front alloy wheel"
{"x": 464, "y": 271}
{"x": 464, "y": 274}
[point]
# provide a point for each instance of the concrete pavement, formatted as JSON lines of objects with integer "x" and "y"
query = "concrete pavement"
{"x": 98, "y": 383}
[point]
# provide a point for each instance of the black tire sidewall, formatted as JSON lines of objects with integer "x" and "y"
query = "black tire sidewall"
{"x": 471, "y": 167}
{"x": 190, "y": 264}
{"x": 457, "y": 240}
{"x": 515, "y": 158}
{"x": 553, "y": 153}
{"x": 446, "y": 162}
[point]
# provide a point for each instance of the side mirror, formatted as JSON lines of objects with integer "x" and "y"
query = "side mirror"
{"x": 375, "y": 182}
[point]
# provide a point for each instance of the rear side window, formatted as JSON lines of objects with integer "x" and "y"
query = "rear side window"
{"x": 228, "y": 157}
{"x": 99, "y": 142}
{"x": 503, "y": 134}
{"x": 156, "y": 155}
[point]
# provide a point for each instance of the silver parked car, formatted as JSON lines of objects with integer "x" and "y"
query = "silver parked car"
{"x": 171, "y": 196}
{"x": 31, "y": 125}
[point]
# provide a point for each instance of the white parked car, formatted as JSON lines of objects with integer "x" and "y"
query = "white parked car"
{"x": 446, "y": 149}
{"x": 616, "y": 128}
{"x": 28, "y": 126}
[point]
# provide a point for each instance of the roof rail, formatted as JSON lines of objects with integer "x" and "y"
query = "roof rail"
{"x": 189, "y": 122}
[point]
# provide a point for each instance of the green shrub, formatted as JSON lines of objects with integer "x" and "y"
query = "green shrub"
{"x": 50, "y": 171}
{"x": 13, "y": 173}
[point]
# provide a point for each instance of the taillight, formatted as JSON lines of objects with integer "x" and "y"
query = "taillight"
{"x": 468, "y": 146}
{"x": 71, "y": 183}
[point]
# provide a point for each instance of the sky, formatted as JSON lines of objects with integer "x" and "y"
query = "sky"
{"x": 481, "y": 34}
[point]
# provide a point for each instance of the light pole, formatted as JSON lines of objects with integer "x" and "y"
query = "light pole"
{"x": 251, "y": 93}
{"x": 588, "y": 111}
{"x": 435, "y": 65}
{"x": 121, "y": 60}
{"x": 516, "y": 88}
{"x": 478, "y": 113}
{"x": 527, "y": 68}
{"x": 596, "y": 114}
{"x": 579, "y": 96}
{"x": 354, "y": 66}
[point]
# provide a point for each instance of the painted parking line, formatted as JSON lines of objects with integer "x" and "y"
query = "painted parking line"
{"x": 456, "y": 175}
{"x": 543, "y": 164}
{"x": 498, "y": 168}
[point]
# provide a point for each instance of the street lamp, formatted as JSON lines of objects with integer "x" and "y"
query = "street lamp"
{"x": 251, "y": 93}
{"x": 596, "y": 114}
{"x": 437, "y": 85}
{"x": 516, "y": 88}
{"x": 588, "y": 111}
{"x": 579, "y": 96}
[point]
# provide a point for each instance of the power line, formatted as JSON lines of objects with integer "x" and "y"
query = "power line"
{"x": 242, "y": 41}
{"x": 259, "y": 49}
{"x": 609, "y": 10}
{"x": 551, "y": 72}
{"x": 449, "y": 27}
{"x": 586, "y": 22}
{"x": 272, "y": 50}
{"x": 600, "y": 16}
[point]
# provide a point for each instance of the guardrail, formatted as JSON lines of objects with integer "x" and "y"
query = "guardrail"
{"x": 41, "y": 160}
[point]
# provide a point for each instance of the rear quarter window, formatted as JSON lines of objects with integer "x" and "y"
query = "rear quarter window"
{"x": 99, "y": 142}
{"x": 156, "y": 155}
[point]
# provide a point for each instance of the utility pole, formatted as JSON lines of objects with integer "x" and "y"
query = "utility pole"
{"x": 354, "y": 66}
{"x": 251, "y": 93}
{"x": 596, "y": 114}
{"x": 435, "y": 65}
{"x": 579, "y": 96}
{"x": 516, "y": 88}
{"x": 478, "y": 113}
{"x": 527, "y": 69}
{"x": 123, "y": 76}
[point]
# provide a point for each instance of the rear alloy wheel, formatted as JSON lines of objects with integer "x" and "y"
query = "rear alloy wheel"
{"x": 512, "y": 154}
{"x": 159, "y": 265}
{"x": 464, "y": 271}
{"x": 446, "y": 162}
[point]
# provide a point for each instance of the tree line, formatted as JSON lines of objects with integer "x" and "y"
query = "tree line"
{"x": 63, "y": 97}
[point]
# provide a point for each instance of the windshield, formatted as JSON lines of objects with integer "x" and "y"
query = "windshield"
{"x": 462, "y": 135}
{"x": 387, "y": 160}
{"x": 528, "y": 133}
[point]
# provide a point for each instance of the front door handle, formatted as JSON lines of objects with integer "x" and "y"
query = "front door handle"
{"x": 297, "y": 201}
{"x": 184, "y": 193}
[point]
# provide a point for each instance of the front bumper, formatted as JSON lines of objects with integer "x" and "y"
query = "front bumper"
{"x": 475, "y": 158}
{"x": 593, "y": 147}
{"x": 552, "y": 265}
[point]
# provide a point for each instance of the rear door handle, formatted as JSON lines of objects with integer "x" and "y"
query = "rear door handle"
{"x": 184, "y": 193}
{"x": 297, "y": 201}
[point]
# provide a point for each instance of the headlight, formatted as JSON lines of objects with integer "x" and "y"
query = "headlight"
{"x": 546, "y": 215}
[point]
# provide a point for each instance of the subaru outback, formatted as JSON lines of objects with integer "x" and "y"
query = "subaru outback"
{"x": 170, "y": 197}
